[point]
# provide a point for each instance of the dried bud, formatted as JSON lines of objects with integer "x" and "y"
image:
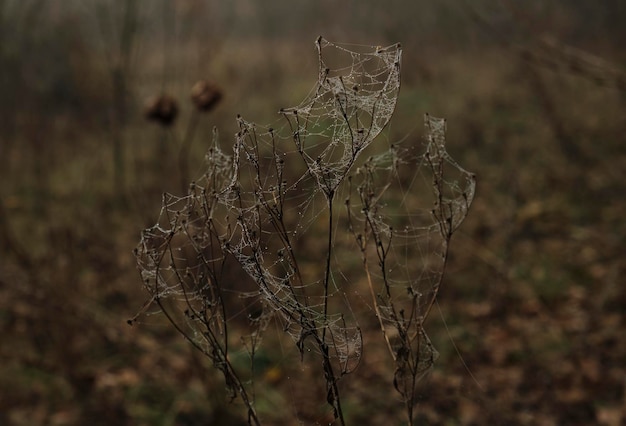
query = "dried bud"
{"x": 205, "y": 95}
{"x": 163, "y": 109}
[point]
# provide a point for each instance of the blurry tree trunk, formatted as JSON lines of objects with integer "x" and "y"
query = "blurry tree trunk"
{"x": 7, "y": 114}
{"x": 120, "y": 111}
{"x": 118, "y": 52}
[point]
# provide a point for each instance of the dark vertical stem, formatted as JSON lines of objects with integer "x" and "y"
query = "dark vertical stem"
{"x": 329, "y": 249}
{"x": 331, "y": 379}
{"x": 333, "y": 391}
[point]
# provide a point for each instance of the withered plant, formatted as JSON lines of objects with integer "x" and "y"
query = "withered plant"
{"x": 254, "y": 211}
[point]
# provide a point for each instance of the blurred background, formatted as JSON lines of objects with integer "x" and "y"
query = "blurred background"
{"x": 97, "y": 121}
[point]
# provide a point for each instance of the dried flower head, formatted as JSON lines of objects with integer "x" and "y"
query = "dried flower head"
{"x": 162, "y": 109}
{"x": 205, "y": 95}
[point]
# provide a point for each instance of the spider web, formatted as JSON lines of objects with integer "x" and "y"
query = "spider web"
{"x": 263, "y": 210}
{"x": 407, "y": 204}
{"x": 348, "y": 108}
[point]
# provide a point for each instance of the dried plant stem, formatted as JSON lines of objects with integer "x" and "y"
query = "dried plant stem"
{"x": 376, "y": 308}
{"x": 237, "y": 211}
{"x": 218, "y": 354}
{"x": 327, "y": 271}
{"x": 333, "y": 397}
{"x": 221, "y": 361}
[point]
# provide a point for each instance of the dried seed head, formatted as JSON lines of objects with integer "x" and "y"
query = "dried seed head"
{"x": 205, "y": 95}
{"x": 162, "y": 109}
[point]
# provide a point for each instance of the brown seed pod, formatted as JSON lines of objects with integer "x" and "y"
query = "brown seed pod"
{"x": 162, "y": 109}
{"x": 205, "y": 95}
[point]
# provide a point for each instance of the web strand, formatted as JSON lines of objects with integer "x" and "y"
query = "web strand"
{"x": 234, "y": 248}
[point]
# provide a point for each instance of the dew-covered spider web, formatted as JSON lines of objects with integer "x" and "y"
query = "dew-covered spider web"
{"x": 303, "y": 220}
